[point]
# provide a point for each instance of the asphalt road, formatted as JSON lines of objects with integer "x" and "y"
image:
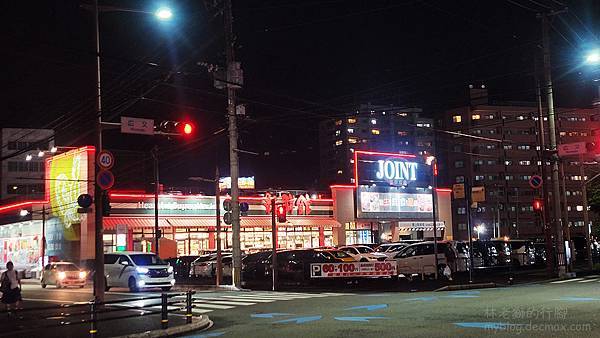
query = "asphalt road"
{"x": 559, "y": 309}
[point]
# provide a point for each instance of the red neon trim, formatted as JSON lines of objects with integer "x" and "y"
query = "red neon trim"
{"x": 342, "y": 186}
{"x": 443, "y": 190}
{"x": 248, "y": 198}
{"x": 355, "y": 169}
{"x": 20, "y": 205}
{"x": 384, "y": 154}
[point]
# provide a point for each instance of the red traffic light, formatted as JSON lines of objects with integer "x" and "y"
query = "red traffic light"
{"x": 281, "y": 214}
{"x": 538, "y": 204}
{"x": 187, "y": 128}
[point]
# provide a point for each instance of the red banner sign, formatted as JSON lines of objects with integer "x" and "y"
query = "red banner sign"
{"x": 354, "y": 269}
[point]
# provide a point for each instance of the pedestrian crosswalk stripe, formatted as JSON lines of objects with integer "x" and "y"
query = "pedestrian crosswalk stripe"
{"x": 589, "y": 280}
{"x": 228, "y": 302}
{"x": 199, "y": 311}
{"x": 253, "y": 299}
{"x": 263, "y": 297}
{"x": 212, "y": 306}
{"x": 566, "y": 281}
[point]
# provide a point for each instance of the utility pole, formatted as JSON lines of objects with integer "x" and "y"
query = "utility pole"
{"x": 218, "y": 224}
{"x": 99, "y": 228}
{"x": 542, "y": 158}
{"x": 434, "y": 210}
{"x": 156, "y": 192}
{"x": 43, "y": 235}
{"x": 586, "y": 215}
{"x": 469, "y": 230}
{"x": 274, "y": 241}
{"x": 560, "y": 248}
{"x": 566, "y": 227}
{"x": 233, "y": 136}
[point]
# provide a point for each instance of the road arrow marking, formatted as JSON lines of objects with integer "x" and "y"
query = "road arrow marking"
{"x": 299, "y": 320}
{"x": 357, "y": 319}
{"x": 486, "y": 325}
{"x": 578, "y": 299}
{"x": 269, "y": 315}
{"x": 368, "y": 307}
{"x": 424, "y": 299}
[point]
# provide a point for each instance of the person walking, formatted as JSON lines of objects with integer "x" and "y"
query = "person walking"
{"x": 10, "y": 286}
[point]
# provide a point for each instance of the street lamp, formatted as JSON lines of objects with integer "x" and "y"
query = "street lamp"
{"x": 480, "y": 229}
{"x": 163, "y": 14}
{"x": 593, "y": 57}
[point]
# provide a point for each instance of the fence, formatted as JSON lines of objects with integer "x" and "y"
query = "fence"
{"x": 90, "y": 311}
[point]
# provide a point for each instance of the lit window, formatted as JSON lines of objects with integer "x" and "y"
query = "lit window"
{"x": 375, "y": 131}
{"x": 339, "y": 142}
{"x": 580, "y": 208}
{"x": 460, "y": 179}
{"x": 490, "y": 117}
{"x": 352, "y": 140}
{"x": 351, "y": 150}
{"x": 479, "y": 177}
{"x": 338, "y": 122}
{"x": 339, "y": 172}
{"x": 524, "y": 162}
{"x": 351, "y": 160}
{"x": 403, "y": 133}
{"x": 457, "y": 119}
{"x": 476, "y": 117}
{"x": 373, "y": 121}
{"x": 461, "y": 210}
{"x": 337, "y": 133}
{"x": 351, "y": 120}
{"x": 350, "y": 130}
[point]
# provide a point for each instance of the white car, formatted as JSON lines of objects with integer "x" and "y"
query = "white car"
{"x": 363, "y": 253}
{"x": 137, "y": 270}
{"x": 208, "y": 268}
{"x": 63, "y": 274}
{"x": 391, "y": 249}
{"x": 419, "y": 259}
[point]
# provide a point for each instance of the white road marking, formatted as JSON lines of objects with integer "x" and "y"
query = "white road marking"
{"x": 212, "y": 306}
{"x": 223, "y": 302}
{"x": 588, "y": 280}
{"x": 253, "y": 299}
{"x": 48, "y": 300}
{"x": 566, "y": 281}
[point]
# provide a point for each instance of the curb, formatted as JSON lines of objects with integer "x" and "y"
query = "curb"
{"x": 466, "y": 287}
{"x": 198, "y": 323}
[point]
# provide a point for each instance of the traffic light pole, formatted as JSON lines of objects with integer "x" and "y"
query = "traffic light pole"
{"x": 99, "y": 229}
{"x": 586, "y": 215}
{"x": 558, "y": 231}
{"x": 156, "y": 192}
{"x": 274, "y": 243}
{"x": 233, "y": 156}
{"x": 218, "y": 225}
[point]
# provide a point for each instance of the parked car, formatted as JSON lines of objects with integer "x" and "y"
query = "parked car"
{"x": 540, "y": 253}
{"x": 181, "y": 265}
{"x": 137, "y": 270}
{"x": 255, "y": 264}
{"x": 522, "y": 252}
{"x": 391, "y": 249}
{"x": 208, "y": 268}
{"x": 419, "y": 259}
{"x": 339, "y": 255}
{"x": 495, "y": 252}
{"x": 63, "y": 274}
{"x": 363, "y": 253}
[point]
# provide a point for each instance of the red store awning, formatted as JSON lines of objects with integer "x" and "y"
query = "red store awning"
{"x": 204, "y": 222}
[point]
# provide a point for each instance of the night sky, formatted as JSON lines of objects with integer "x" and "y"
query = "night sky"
{"x": 304, "y": 61}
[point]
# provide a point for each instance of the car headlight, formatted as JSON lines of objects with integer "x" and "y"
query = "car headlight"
{"x": 62, "y": 275}
{"x": 170, "y": 269}
{"x": 141, "y": 270}
{"x": 82, "y": 274}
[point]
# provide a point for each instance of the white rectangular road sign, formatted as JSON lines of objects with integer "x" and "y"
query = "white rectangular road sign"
{"x": 134, "y": 125}
{"x": 354, "y": 269}
{"x": 570, "y": 149}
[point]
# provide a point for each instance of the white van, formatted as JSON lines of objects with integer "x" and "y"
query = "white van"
{"x": 137, "y": 270}
{"x": 419, "y": 259}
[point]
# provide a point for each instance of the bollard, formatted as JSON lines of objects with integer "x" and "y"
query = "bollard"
{"x": 93, "y": 328}
{"x": 164, "y": 321}
{"x": 188, "y": 307}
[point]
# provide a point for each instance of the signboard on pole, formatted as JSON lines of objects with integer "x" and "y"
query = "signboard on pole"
{"x": 105, "y": 159}
{"x": 536, "y": 181}
{"x": 458, "y": 190}
{"x": 570, "y": 149}
{"x": 105, "y": 179}
{"x": 354, "y": 269}
{"x": 478, "y": 194}
{"x": 134, "y": 125}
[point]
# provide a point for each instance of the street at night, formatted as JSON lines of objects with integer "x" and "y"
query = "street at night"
{"x": 294, "y": 168}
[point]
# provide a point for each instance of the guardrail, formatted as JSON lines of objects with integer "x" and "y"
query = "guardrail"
{"x": 91, "y": 309}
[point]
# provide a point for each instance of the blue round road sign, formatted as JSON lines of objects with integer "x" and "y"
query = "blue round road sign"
{"x": 105, "y": 179}
{"x": 244, "y": 207}
{"x": 536, "y": 181}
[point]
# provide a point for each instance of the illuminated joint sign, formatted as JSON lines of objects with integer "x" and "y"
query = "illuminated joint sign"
{"x": 396, "y": 170}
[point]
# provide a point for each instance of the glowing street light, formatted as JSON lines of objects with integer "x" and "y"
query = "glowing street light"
{"x": 28, "y": 157}
{"x": 593, "y": 57}
{"x": 40, "y": 153}
{"x": 480, "y": 229}
{"x": 163, "y": 14}
{"x": 23, "y": 213}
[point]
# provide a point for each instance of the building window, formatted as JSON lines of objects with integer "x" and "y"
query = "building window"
{"x": 402, "y": 133}
{"x": 339, "y": 142}
{"x": 459, "y": 164}
{"x": 475, "y": 117}
{"x": 575, "y": 178}
{"x": 461, "y": 210}
{"x": 524, "y": 162}
{"x": 460, "y": 179}
{"x": 338, "y": 122}
{"x": 524, "y": 147}
{"x": 490, "y": 116}
{"x": 525, "y": 177}
{"x": 507, "y": 147}
{"x": 337, "y": 133}
{"x": 492, "y": 162}
{"x": 352, "y": 120}
{"x": 12, "y": 166}
{"x": 352, "y": 140}
{"x": 375, "y": 131}
{"x": 457, "y": 148}
{"x": 373, "y": 121}
{"x": 509, "y": 177}
{"x": 580, "y": 208}
{"x": 457, "y": 119}
{"x": 479, "y": 177}
{"x": 12, "y": 145}
{"x": 339, "y": 172}
{"x": 478, "y": 162}
{"x": 462, "y": 226}
{"x": 490, "y": 146}
{"x": 350, "y": 130}
{"x": 476, "y": 132}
